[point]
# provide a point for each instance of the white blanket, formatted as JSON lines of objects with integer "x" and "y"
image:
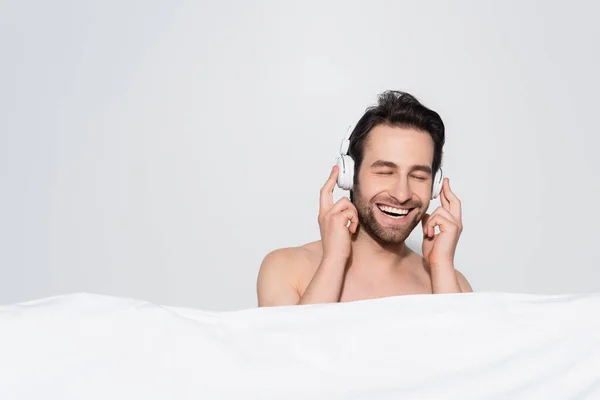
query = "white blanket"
{"x": 455, "y": 346}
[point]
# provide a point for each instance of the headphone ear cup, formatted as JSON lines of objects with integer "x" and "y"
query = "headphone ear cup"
{"x": 438, "y": 179}
{"x": 346, "y": 175}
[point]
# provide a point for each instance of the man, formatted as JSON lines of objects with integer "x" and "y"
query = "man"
{"x": 396, "y": 147}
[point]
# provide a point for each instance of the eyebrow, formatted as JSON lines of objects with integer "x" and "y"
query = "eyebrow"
{"x": 390, "y": 164}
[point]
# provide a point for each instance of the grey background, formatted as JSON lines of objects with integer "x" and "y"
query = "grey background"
{"x": 159, "y": 150}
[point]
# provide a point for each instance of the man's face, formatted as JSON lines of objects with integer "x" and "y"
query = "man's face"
{"x": 394, "y": 182}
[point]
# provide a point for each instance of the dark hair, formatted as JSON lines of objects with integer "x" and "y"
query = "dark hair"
{"x": 396, "y": 108}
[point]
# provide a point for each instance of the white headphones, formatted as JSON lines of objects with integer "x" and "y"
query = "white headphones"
{"x": 345, "y": 163}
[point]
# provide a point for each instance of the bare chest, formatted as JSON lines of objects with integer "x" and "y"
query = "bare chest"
{"x": 361, "y": 287}
{"x": 365, "y": 285}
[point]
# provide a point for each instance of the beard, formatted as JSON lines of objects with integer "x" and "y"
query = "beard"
{"x": 386, "y": 235}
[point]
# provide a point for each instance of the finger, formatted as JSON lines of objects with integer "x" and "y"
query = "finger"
{"x": 430, "y": 226}
{"x": 342, "y": 204}
{"x": 353, "y": 224}
{"x": 326, "y": 197}
{"x": 455, "y": 204}
{"x": 440, "y": 221}
{"x": 444, "y": 200}
{"x": 428, "y": 229}
{"x": 345, "y": 217}
{"x": 350, "y": 215}
{"x": 424, "y": 223}
{"x": 349, "y": 211}
{"x": 446, "y": 214}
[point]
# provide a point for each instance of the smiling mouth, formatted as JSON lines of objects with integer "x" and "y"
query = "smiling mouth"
{"x": 394, "y": 212}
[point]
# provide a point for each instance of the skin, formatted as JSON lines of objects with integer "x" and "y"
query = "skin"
{"x": 362, "y": 253}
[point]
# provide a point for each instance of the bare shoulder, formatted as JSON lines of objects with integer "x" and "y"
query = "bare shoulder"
{"x": 464, "y": 284}
{"x": 283, "y": 271}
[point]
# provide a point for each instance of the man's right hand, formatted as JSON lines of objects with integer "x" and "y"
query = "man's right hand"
{"x": 278, "y": 287}
{"x": 333, "y": 221}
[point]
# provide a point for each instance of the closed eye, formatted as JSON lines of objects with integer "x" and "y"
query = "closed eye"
{"x": 421, "y": 178}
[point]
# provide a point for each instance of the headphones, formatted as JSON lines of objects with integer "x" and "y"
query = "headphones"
{"x": 345, "y": 164}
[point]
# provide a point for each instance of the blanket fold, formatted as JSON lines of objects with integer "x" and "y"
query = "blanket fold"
{"x": 451, "y": 346}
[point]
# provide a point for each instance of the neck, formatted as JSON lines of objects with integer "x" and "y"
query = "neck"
{"x": 370, "y": 254}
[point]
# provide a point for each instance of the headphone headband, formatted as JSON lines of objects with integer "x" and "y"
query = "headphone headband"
{"x": 346, "y": 142}
{"x": 349, "y": 132}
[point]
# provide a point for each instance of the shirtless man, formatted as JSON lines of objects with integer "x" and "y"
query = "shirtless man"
{"x": 396, "y": 147}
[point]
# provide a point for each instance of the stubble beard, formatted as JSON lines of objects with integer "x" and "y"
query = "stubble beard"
{"x": 385, "y": 235}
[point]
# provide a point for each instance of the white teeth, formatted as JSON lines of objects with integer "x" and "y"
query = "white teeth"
{"x": 393, "y": 210}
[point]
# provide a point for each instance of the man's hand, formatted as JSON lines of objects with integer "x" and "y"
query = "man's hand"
{"x": 333, "y": 221}
{"x": 439, "y": 249}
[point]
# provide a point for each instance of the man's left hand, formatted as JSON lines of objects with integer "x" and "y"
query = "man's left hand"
{"x": 439, "y": 249}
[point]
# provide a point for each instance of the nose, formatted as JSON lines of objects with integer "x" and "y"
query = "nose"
{"x": 402, "y": 190}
